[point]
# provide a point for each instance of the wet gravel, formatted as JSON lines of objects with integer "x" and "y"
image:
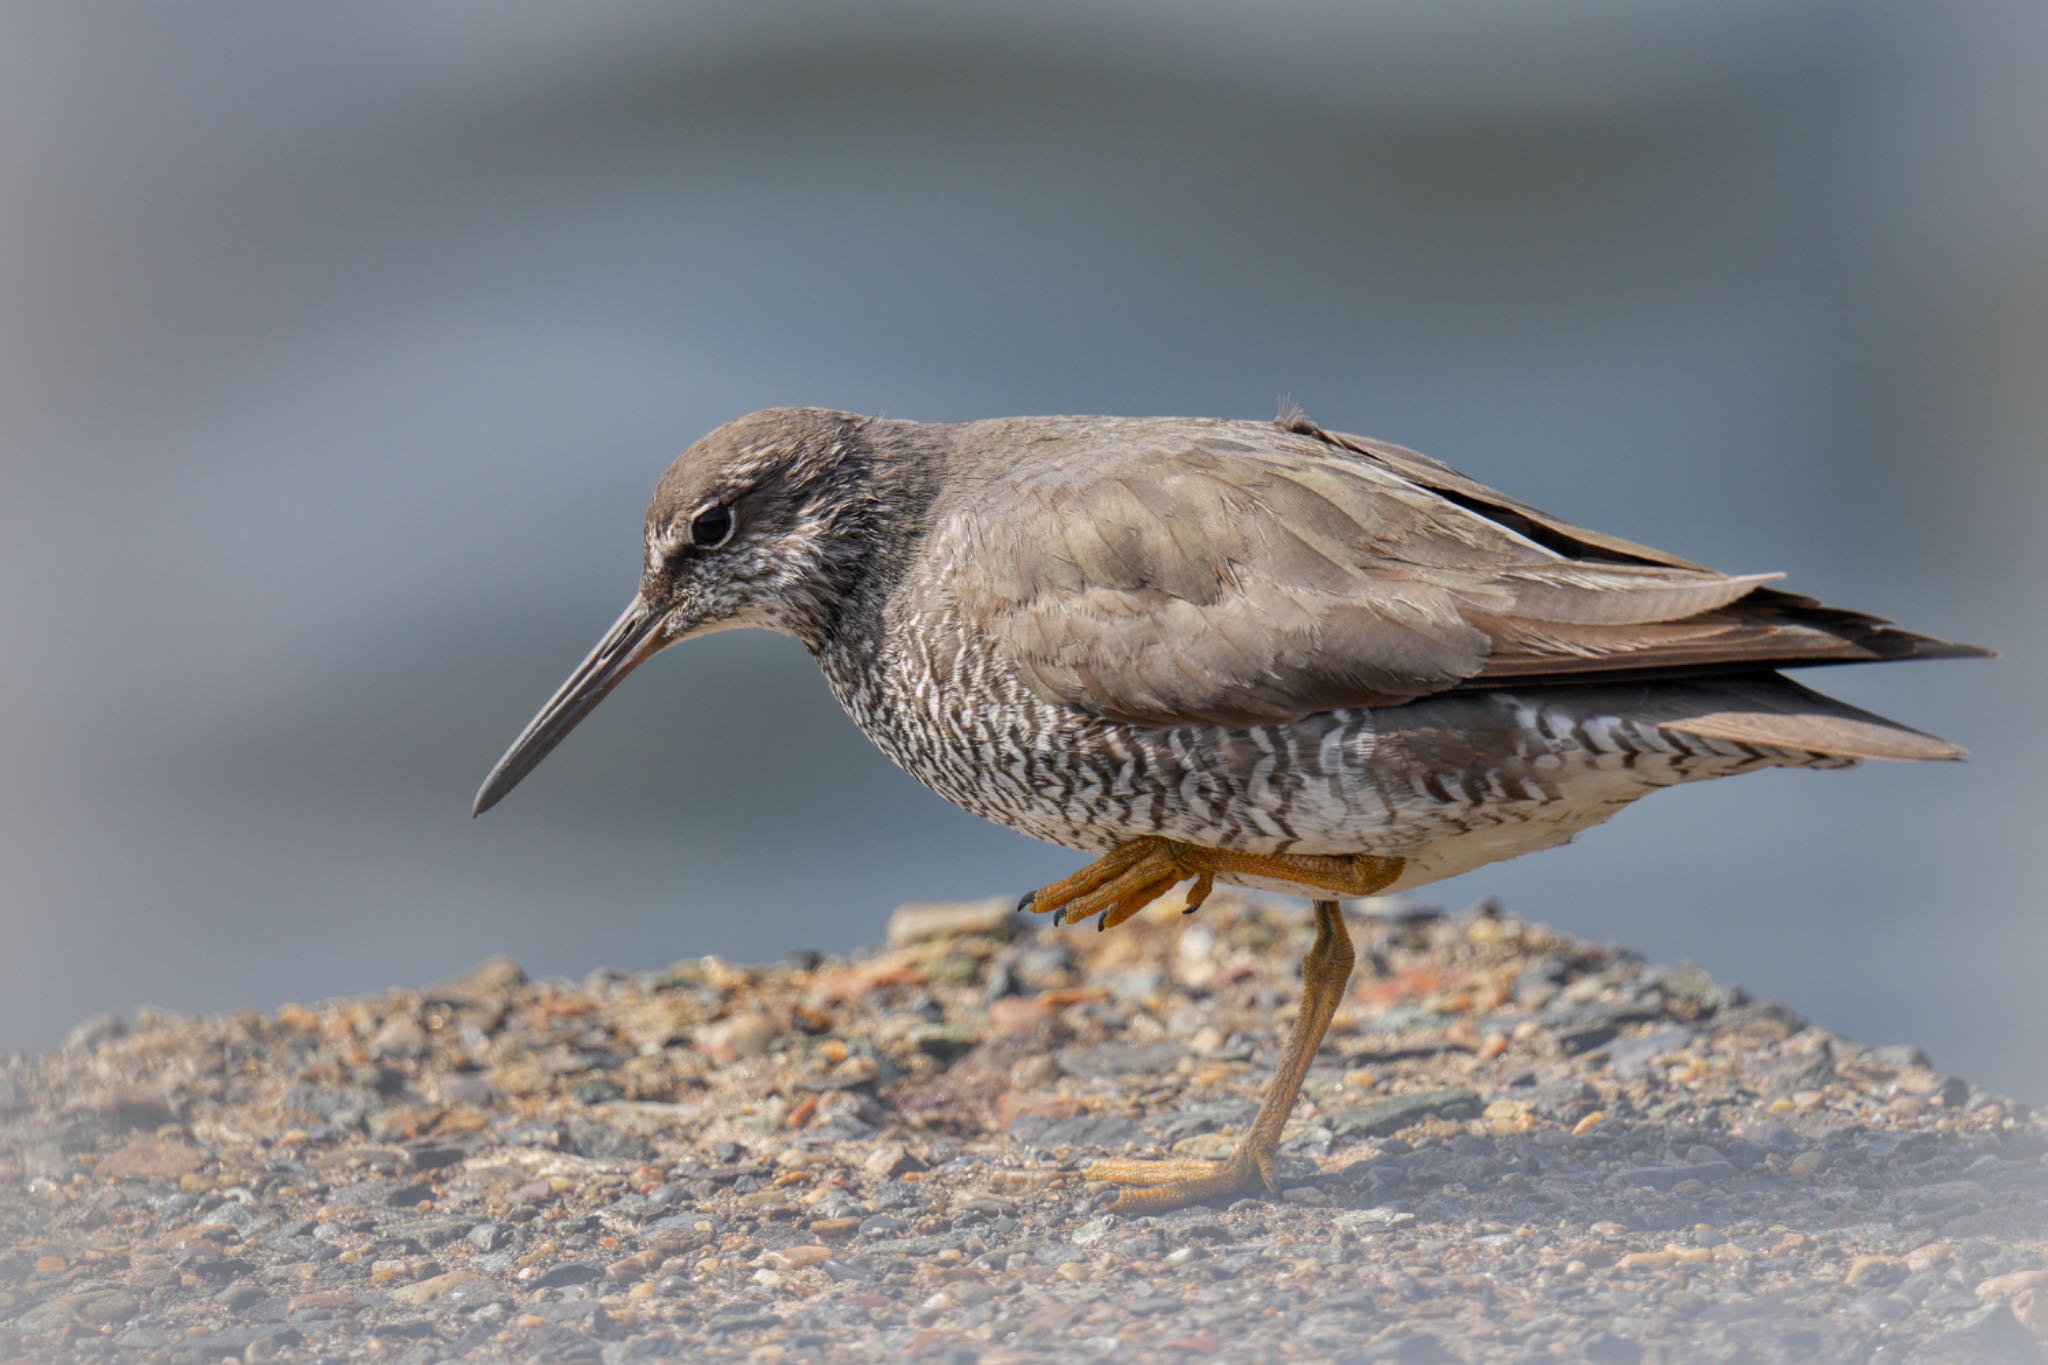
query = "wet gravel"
{"x": 1515, "y": 1146}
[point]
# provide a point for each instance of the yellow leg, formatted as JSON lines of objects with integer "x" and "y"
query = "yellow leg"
{"x": 1130, "y": 876}
{"x": 1158, "y": 1186}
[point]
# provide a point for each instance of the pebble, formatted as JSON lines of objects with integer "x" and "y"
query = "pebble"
{"x": 1391, "y": 1115}
{"x": 1807, "y": 1164}
{"x": 401, "y": 1036}
{"x": 88, "y": 1307}
{"x": 889, "y": 1159}
{"x": 739, "y": 1038}
{"x": 1094, "y": 1230}
{"x": 1668, "y": 1177}
{"x": 489, "y": 1236}
{"x": 1375, "y": 1219}
{"x": 568, "y": 1272}
{"x": 919, "y": 923}
{"x": 422, "y": 1292}
{"x": 1878, "y": 1270}
{"x": 2014, "y": 1282}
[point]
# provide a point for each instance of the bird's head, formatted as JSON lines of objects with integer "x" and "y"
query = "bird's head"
{"x": 758, "y": 524}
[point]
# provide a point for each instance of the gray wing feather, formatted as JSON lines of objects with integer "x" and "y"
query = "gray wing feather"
{"x": 1189, "y": 576}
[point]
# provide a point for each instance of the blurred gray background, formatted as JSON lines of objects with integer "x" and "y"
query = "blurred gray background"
{"x": 340, "y": 346}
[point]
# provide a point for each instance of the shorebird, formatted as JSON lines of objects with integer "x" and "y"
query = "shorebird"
{"x": 1260, "y": 653}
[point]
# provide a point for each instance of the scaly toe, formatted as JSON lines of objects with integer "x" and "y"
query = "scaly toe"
{"x": 1161, "y": 1186}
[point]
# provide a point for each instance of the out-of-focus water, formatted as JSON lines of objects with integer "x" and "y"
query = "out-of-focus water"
{"x": 343, "y": 344}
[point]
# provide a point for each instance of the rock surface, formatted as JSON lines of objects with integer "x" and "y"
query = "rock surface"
{"x": 1514, "y": 1146}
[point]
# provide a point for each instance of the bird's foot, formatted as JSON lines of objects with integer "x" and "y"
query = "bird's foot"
{"x": 1162, "y": 1186}
{"x": 1132, "y": 875}
{"x": 1122, "y": 882}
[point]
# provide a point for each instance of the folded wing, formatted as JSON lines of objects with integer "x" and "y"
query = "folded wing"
{"x": 1232, "y": 574}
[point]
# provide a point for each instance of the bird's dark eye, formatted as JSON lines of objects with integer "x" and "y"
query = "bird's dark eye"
{"x": 711, "y": 527}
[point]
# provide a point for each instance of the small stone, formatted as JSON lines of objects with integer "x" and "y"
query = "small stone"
{"x": 921, "y": 921}
{"x": 1669, "y": 1177}
{"x": 1017, "y": 1014}
{"x": 889, "y": 1160}
{"x": 739, "y": 1038}
{"x": 1631, "y": 1058}
{"x": 1930, "y": 1256}
{"x": 1382, "y": 1118}
{"x": 1508, "y": 1117}
{"x": 1900, "y": 1056}
{"x": 741, "y": 1320}
{"x": 402, "y": 1036}
{"x": 272, "y": 1346}
{"x": 1880, "y": 1271}
{"x": 1374, "y": 1220}
{"x": 1807, "y": 1164}
{"x": 89, "y": 1307}
{"x": 489, "y": 1236}
{"x": 490, "y": 979}
{"x": 944, "y": 1043}
{"x": 1094, "y": 1230}
{"x": 1647, "y": 1260}
{"x": 387, "y": 1270}
{"x": 422, "y": 1292}
{"x": 849, "y": 1073}
{"x": 2005, "y": 1286}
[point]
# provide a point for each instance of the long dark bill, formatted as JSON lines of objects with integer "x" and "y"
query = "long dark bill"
{"x": 633, "y": 639}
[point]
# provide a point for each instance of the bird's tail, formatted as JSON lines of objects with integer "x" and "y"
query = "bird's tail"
{"x": 1773, "y": 712}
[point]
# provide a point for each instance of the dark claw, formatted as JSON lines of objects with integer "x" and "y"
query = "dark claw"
{"x": 1024, "y": 901}
{"x": 1192, "y": 908}
{"x": 1102, "y": 921}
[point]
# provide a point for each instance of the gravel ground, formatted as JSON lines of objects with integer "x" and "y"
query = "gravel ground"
{"x": 1514, "y": 1146}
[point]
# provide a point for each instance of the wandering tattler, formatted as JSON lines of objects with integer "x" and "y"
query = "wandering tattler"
{"x": 1254, "y": 652}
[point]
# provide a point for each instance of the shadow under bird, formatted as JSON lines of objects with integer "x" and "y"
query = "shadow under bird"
{"x": 1261, "y": 653}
